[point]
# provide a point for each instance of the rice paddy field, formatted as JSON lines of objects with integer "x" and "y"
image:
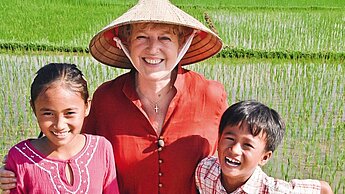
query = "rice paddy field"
{"x": 289, "y": 55}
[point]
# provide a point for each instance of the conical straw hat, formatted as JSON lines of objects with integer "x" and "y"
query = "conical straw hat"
{"x": 205, "y": 43}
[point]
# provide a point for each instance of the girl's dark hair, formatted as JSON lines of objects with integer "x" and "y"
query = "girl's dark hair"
{"x": 68, "y": 74}
{"x": 259, "y": 118}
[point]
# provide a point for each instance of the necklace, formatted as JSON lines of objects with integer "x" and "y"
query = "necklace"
{"x": 154, "y": 104}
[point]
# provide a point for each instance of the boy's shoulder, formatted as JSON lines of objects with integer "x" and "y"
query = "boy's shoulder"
{"x": 209, "y": 161}
{"x": 208, "y": 176}
{"x": 208, "y": 172}
{"x": 259, "y": 181}
{"x": 208, "y": 168}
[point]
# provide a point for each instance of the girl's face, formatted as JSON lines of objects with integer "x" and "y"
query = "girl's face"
{"x": 154, "y": 51}
{"x": 60, "y": 114}
{"x": 240, "y": 152}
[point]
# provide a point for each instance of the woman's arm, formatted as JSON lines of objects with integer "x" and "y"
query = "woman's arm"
{"x": 325, "y": 188}
{"x": 7, "y": 180}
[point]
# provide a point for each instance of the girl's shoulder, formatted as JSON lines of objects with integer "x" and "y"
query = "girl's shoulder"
{"x": 25, "y": 144}
{"x": 98, "y": 140}
{"x": 22, "y": 152}
{"x": 98, "y": 145}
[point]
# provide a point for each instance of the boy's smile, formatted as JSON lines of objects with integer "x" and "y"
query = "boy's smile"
{"x": 240, "y": 153}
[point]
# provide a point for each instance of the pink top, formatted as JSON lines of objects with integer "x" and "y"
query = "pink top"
{"x": 208, "y": 181}
{"x": 93, "y": 169}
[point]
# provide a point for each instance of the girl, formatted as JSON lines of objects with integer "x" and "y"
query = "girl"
{"x": 63, "y": 161}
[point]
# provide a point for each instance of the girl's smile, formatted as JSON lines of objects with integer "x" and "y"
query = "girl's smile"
{"x": 60, "y": 113}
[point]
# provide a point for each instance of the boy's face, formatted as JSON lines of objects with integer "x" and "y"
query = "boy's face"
{"x": 240, "y": 152}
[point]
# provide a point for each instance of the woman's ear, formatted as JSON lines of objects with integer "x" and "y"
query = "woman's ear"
{"x": 266, "y": 156}
{"x": 87, "y": 107}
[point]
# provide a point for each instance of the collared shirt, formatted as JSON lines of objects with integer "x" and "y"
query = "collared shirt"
{"x": 208, "y": 181}
{"x": 189, "y": 132}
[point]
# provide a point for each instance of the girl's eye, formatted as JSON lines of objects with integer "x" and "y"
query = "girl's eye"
{"x": 47, "y": 113}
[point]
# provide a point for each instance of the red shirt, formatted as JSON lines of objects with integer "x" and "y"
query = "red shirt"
{"x": 189, "y": 132}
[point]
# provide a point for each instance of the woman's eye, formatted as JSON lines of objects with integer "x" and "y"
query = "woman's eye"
{"x": 165, "y": 38}
{"x": 140, "y": 37}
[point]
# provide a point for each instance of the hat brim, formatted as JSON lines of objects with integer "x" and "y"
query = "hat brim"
{"x": 205, "y": 43}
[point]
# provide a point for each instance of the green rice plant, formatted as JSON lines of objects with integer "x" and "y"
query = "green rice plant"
{"x": 305, "y": 32}
{"x": 54, "y": 24}
{"x": 260, "y": 29}
{"x": 264, "y": 3}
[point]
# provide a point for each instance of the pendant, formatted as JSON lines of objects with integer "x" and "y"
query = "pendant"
{"x": 156, "y": 108}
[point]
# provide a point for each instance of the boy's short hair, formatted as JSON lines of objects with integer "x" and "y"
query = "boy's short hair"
{"x": 259, "y": 118}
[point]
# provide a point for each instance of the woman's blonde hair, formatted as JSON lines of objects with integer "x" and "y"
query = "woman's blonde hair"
{"x": 181, "y": 31}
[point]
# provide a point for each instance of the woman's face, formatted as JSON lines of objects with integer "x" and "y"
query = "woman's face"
{"x": 154, "y": 50}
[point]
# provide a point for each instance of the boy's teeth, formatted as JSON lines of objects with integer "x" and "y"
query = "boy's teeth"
{"x": 232, "y": 162}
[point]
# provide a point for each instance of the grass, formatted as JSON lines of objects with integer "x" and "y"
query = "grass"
{"x": 269, "y": 29}
{"x": 281, "y": 29}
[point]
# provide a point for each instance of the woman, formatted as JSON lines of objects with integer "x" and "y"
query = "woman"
{"x": 160, "y": 118}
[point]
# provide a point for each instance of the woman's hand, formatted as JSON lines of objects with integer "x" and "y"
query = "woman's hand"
{"x": 7, "y": 180}
{"x": 325, "y": 188}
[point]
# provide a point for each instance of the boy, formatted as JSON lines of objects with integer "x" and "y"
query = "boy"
{"x": 249, "y": 132}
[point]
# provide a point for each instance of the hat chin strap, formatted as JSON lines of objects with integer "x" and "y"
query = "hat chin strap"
{"x": 122, "y": 47}
{"x": 179, "y": 56}
{"x": 185, "y": 47}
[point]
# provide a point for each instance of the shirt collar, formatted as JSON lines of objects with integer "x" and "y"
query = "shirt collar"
{"x": 217, "y": 179}
{"x": 129, "y": 86}
{"x": 254, "y": 182}
{"x": 130, "y": 91}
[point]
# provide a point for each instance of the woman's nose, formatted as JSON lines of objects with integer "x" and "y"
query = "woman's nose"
{"x": 153, "y": 46}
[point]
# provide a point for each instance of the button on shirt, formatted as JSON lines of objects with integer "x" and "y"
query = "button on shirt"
{"x": 208, "y": 181}
{"x": 189, "y": 132}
